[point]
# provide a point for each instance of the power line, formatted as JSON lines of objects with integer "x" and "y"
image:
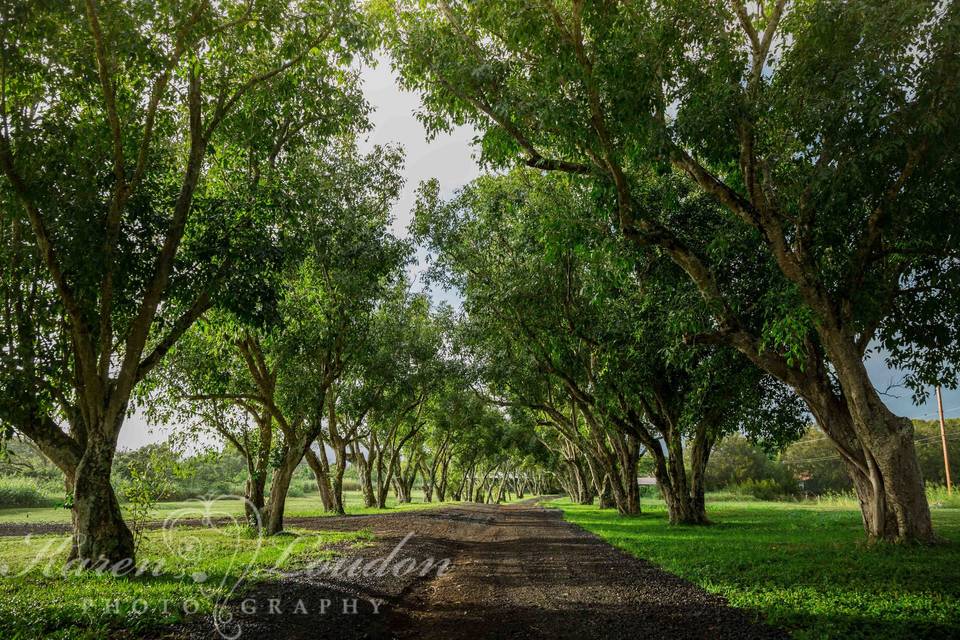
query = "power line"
{"x": 818, "y": 439}
{"x": 835, "y": 456}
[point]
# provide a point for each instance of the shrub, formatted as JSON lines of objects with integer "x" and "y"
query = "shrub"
{"x": 938, "y": 497}
{"x": 148, "y": 483}
{"x": 297, "y": 491}
{"x": 765, "y": 489}
{"x": 732, "y": 494}
{"x": 736, "y": 461}
{"x": 18, "y": 491}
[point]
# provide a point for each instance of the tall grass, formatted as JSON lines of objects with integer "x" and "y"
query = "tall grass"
{"x": 937, "y": 496}
{"x": 16, "y": 491}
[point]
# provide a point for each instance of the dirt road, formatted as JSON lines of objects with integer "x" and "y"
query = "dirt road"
{"x": 517, "y": 571}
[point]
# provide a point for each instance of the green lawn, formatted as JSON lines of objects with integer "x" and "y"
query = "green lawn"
{"x": 307, "y": 506}
{"x": 190, "y": 569}
{"x": 804, "y": 567}
{"x": 198, "y": 566}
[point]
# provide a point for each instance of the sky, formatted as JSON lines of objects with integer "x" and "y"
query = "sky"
{"x": 451, "y": 159}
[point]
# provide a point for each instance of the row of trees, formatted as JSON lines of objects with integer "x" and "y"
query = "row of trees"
{"x": 189, "y": 227}
{"x": 719, "y": 209}
{"x": 166, "y": 162}
{"x": 564, "y": 330}
{"x": 795, "y": 162}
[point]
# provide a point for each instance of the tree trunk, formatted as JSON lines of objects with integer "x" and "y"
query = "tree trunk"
{"x": 672, "y": 482}
{"x": 461, "y": 486}
{"x": 253, "y": 506}
{"x": 605, "y": 493}
{"x": 622, "y": 473}
{"x": 382, "y": 497}
{"x": 341, "y": 467}
{"x": 321, "y": 471}
{"x": 100, "y": 534}
{"x": 470, "y": 492}
{"x": 279, "y": 488}
{"x": 875, "y": 444}
{"x": 700, "y": 450}
{"x": 895, "y": 492}
{"x": 428, "y": 474}
{"x": 878, "y": 452}
{"x": 365, "y": 473}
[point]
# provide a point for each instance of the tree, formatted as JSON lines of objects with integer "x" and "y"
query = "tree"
{"x": 114, "y": 121}
{"x": 338, "y": 261}
{"x": 401, "y": 370}
{"x": 204, "y": 386}
{"x": 563, "y": 325}
{"x": 807, "y": 140}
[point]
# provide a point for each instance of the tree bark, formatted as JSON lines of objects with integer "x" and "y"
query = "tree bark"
{"x": 100, "y": 534}
{"x": 280, "y": 486}
{"x": 442, "y": 486}
{"x": 365, "y": 472}
{"x": 895, "y": 492}
{"x": 428, "y": 475}
{"x": 700, "y": 450}
{"x": 878, "y": 452}
{"x": 255, "y": 496}
{"x": 321, "y": 471}
{"x": 341, "y": 466}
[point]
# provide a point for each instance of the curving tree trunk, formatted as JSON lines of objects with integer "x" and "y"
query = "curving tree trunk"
{"x": 365, "y": 472}
{"x": 442, "y": 486}
{"x": 321, "y": 471}
{"x": 683, "y": 496}
{"x": 877, "y": 450}
{"x": 100, "y": 534}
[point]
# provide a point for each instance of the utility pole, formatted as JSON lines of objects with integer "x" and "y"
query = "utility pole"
{"x": 943, "y": 441}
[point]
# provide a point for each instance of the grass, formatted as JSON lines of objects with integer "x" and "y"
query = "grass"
{"x": 937, "y": 496}
{"x": 40, "y": 597}
{"x": 803, "y": 567}
{"x": 21, "y": 492}
{"x": 198, "y": 566}
{"x": 307, "y": 506}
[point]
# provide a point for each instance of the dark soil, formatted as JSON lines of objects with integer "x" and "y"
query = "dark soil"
{"x": 518, "y": 571}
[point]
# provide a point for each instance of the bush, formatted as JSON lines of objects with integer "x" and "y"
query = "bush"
{"x": 651, "y": 491}
{"x": 29, "y": 492}
{"x": 297, "y": 491}
{"x": 148, "y": 483}
{"x": 765, "y": 489}
{"x": 736, "y": 461}
{"x": 938, "y": 497}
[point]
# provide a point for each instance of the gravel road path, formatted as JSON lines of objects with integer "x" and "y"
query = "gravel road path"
{"x": 516, "y": 571}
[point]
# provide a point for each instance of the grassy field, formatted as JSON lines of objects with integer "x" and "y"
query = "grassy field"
{"x": 803, "y": 567}
{"x": 307, "y": 506}
{"x": 41, "y": 597}
{"x": 189, "y": 569}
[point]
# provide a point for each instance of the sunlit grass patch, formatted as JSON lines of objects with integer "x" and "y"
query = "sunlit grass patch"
{"x": 801, "y": 566}
{"x": 186, "y": 571}
{"x": 306, "y": 506}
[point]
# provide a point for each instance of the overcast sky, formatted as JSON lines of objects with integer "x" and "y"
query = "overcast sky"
{"x": 450, "y": 159}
